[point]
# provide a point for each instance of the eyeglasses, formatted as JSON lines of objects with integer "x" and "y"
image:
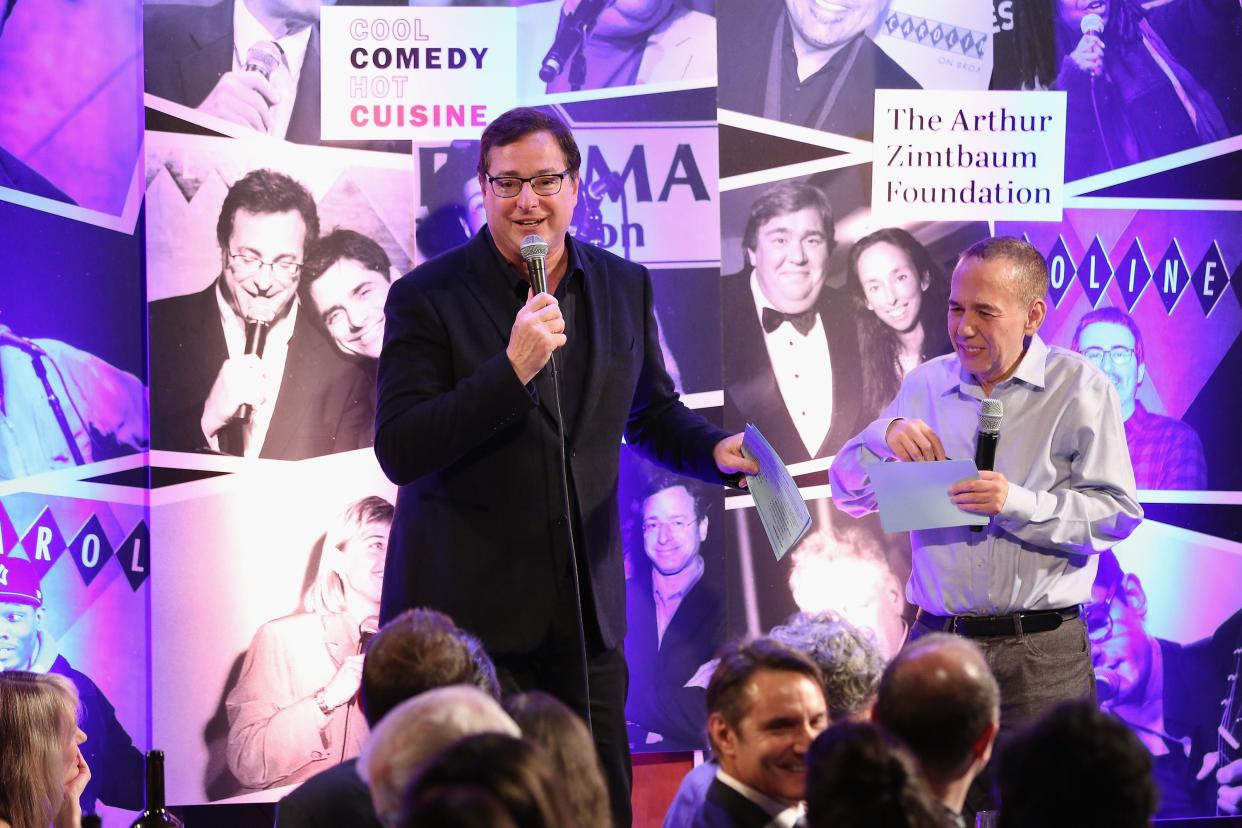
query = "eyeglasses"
{"x": 507, "y": 186}
{"x": 676, "y": 525}
{"x": 1099, "y": 616}
{"x": 246, "y": 264}
{"x": 1117, "y": 355}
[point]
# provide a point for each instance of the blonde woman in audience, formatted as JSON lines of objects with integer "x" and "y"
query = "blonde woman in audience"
{"x": 42, "y": 772}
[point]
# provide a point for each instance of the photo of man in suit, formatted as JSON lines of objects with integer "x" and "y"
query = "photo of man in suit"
{"x": 252, "y": 62}
{"x": 805, "y": 63}
{"x": 240, "y": 367}
{"x": 791, "y": 360}
{"x": 675, "y": 618}
{"x": 469, "y": 426}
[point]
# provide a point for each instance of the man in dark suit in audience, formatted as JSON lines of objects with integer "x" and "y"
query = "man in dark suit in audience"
{"x": 939, "y": 697}
{"x": 791, "y": 352}
{"x": 765, "y": 705}
{"x": 239, "y": 367}
{"x": 415, "y": 652}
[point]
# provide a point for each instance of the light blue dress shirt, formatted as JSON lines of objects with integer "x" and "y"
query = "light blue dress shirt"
{"x": 1062, "y": 448}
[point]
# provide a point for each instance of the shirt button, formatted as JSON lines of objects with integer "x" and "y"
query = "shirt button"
{"x": 560, "y": 520}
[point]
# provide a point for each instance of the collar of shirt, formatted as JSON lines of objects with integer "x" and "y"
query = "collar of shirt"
{"x": 517, "y": 283}
{"x": 676, "y": 586}
{"x": 1031, "y": 370}
{"x": 247, "y": 31}
{"x": 783, "y": 816}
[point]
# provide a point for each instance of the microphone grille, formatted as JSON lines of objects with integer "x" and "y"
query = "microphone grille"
{"x": 264, "y": 57}
{"x": 990, "y": 412}
{"x": 534, "y": 247}
{"x": 1091, "y": 24}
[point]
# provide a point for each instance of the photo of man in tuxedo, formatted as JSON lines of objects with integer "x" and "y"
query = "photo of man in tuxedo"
{"x": 240, "y": 367}
{"x": 791, "y": 360}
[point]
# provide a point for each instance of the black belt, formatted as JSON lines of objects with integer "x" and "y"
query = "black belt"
{"x": 981, "y": 625}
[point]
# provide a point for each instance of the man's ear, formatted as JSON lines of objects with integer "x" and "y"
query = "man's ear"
{"x": 703, "y": 529}
{"x": 1035, "y": 315}
{"x": 1136, "y": 597}
{"x": 750, "y": 257}
{"x": 723, "y": 739}
{"x": 982, "y": 748}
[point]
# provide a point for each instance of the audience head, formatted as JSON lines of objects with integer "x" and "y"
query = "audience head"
{"x": 859, "y": 775}
{"x": 1076, "y": 767}
{"x": 765, "y": 703}
{"x": 484, "y": 677}
{"x": 457, "y": 806}
{"x": 516, "y": 773}
{"x": 565, "y": 739}
{"x": 417, "y": 651}
{"x": 39, "y": 738}
{"x": 849, "y": 662}
{"x": 346, "y": 283}
{"x": 939, "y": 697}
{"x": 415, "y": 730}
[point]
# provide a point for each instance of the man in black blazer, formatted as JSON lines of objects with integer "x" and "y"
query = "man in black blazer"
{"x": 791, "y": 361}
{"x": 799, "y": 62}
{"x": 197, "y": 56}
{"x": 765, "y": 705}
{"x": 467, "y": 425}
{"x": 675, "y": 617}
{"x": 305, "y": 399}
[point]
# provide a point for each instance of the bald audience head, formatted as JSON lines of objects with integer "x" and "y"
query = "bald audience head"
{"x": 416, "y": 730}
{"x": 939, "y": 697}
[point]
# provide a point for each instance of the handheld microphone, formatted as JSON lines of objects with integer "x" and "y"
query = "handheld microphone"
{"x": 570, "y": 35}
{"x": 256, "y": 340}
{"x": 366, "y": 631}
{"x": 1092, "y": 24}
{"x": 265, "y": 58}
{"x": 535, "y": 253}
{"x": 7, "y": 337}
{"x": 990, "y": 413}
{"x": 1107, "y": 685}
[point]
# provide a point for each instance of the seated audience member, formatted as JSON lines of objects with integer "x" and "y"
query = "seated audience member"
{"x": 1076, "y": 768}
{"x": 858, "y": 775}
{"x": 42, "y": 772}
{"x": 517, "y": 774}
{"x": 462, "y": 806}
{"x": 346, "y": 284}
{"x": 849, "y": 663}
{"x": 547, "y": 722}
{"x": 765, "y": 703}
{"x": 416, "y": 730}
{"x": 417, "y": 651}
{"x": 939, "y": 697}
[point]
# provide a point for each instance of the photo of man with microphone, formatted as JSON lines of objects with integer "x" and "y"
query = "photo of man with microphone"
{"x": 240, "y": 367}
{"x": 1060, "y": 489}
{"x": 501, "y": 410}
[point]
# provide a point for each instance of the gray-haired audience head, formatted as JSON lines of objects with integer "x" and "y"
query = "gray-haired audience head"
{"x": 416, "y": 730}
{"x": 847, "y": 657}
{"x": 417, "y": 651}
{"x": 939, "y": 697}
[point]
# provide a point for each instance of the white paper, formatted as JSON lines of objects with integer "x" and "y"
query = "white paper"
{"x": 782, "y": 511}
{"x": 916, "y": 495}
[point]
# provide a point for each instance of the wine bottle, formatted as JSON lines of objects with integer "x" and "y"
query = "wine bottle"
{"x": 155, "y": 813}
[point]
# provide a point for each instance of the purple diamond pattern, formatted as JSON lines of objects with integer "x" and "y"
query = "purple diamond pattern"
{"x": 43, "y": 542}
{"x": 91, "y": 549}
{"x": 134, "y": 555}
{"x": 1210, "y": 279}
{"x": 1171, "y": 276}
{"x": 1060, "y": 270}
{"x": 1132, "y": 274}
{"x": 1094, "y": 271}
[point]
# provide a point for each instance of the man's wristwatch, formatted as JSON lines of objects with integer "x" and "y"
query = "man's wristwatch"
{"x": 322, "y": 702}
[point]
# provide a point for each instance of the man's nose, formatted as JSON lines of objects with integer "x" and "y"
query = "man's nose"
{"x": 262, "y": 278}
{"x": 526, "y": 197}
{"x": 798, "y": 253}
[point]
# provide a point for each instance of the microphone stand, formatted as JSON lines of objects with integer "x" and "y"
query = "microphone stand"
{"x": 53, "y": 402}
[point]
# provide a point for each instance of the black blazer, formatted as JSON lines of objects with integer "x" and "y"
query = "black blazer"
{"x": 751, "y": 392}
{"x": 479, "y": 531}
{"x": 659, "y": 700}
{"x": 745, "y": 30}
{"x": 724, "y": 807}
{"x": 325, "y": 401}
{"x": 331, "y": 798}
{"x": 188, "y": 48}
